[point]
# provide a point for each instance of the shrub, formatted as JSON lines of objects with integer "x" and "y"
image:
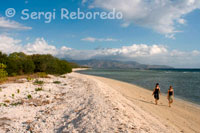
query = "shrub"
{"x": 13, "y": 74}
{"x": 3, "y": 73}
{"x": 29, "y": 96}
{"x": 38, "y": 89}
{"x": 13, "y": 95}
{"x": 15, "y": 104}
{"x": 38, "y": 82}
{"x": 29, "y": 79}
{"x": 56, "y": 82}
{"x": 62, "y": 76}
{"x": 42, "y": 75}
{"x": 20, "y": 63}
{"x": 18, "y": 91}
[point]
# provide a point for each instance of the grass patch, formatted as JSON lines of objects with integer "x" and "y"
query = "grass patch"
{"x": 38, "y": 89}
{"x": 3, "y": 104}
{"x": 62, "y": 76}
{"x": 29, "y": 79}
{"x": 56, "y": 82}
{"x": 29, "y": 96}
{"x": 42, "y": 75}
{"x": 15, "y": 104}
{"x": 38, "y": 82}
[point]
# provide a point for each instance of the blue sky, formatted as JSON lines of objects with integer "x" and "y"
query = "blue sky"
{"x": 172, "y": 30}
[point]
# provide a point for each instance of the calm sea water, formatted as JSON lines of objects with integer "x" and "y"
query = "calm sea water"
{"x": 186, "y": 82}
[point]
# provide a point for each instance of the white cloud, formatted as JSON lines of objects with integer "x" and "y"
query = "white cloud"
{"x": 89, "y": 39}
{"x": 92, "y": 39}
{"x": 147, "y": 54}
{"x": 40, "y": 46}
{"x": 160, "y": 15}
{"x": 84, "y": 1}
{"x": 9, "y": 44}
{"x": 154, "y": 54}
{"x": 8, "y": 24}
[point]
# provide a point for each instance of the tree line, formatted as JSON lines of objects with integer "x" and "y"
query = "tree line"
{"x": 18, "y": 63}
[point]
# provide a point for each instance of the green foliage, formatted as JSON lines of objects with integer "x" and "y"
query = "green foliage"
{"x": 56, "y": 82}
{"x": 18, "y": 91}
{"x": 29, "y": 79}
{"x": 50, "y": 64}
{"x": 29, "y": 96}
{"x": 15, "y": 104}
{"x": 62, "y": 76}
{"x": 38, "y": 82}
{"x": 42, "y": 75}
{"x": 38, "y": 89}
{"x": 13, "y": 95}
{"x": 3, "y": 58}
{"x": 13, "y": 74}
{"x": 20, "y": 63}
{"x": 3, "y": 73}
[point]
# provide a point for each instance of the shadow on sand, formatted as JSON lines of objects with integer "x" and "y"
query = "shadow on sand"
{"x": 144, "y": 101}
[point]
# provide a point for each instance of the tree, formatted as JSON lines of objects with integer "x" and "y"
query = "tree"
{"x": 3, "y": 73}
{"x": 3, "y": 58}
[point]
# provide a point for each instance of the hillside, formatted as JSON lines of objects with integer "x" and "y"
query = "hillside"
{"x": 107, "y": 64}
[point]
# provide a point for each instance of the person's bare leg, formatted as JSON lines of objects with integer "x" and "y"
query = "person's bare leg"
{"x": 156, "y": 101}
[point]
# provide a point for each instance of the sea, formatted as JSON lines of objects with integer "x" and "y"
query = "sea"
{"x": 186, "y": 82}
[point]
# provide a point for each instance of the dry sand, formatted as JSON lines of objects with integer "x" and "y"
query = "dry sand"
{"x": 182, "y": 116}
{"x": 82, "y": 103}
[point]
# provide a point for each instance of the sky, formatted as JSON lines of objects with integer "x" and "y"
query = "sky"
{"x": 162, "y": 32}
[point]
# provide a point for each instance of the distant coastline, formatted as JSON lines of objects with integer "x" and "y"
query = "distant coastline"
{"x": 185, "y": 89}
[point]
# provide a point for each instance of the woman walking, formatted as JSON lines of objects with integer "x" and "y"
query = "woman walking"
{"x": 156, "y": 93}
{"x": 170, "y": 95}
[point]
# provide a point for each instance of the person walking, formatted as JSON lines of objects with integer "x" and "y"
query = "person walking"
{"x": 170, "y": 95}
{"x": 156, "y": 93}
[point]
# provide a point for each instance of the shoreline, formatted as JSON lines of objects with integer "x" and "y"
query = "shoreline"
{"x": 185, "y": 113}
{"x": 165, "y": 94}
{"x": 77, "y": 102}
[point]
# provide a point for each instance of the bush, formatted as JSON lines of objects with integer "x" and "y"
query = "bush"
{"x": 20, "y": 63}
{"x": 38, "y": 82}
{"x": 29, "y": 96}
{"x": 29, "y": 79}
{"x": 3, "y": 73}
{"x": 38, "y": 89}
{"x": 56, "y": 82}
{"x": 42, "y": 75}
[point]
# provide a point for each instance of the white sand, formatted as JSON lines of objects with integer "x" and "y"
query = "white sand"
{"x": 80, "y": 103}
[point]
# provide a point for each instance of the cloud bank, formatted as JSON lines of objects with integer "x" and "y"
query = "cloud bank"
{"x": 92, "y": 39}
{"x": 160, "y": 15}
{"x": 143, "y": 53}
{"x": 12, "y": 25}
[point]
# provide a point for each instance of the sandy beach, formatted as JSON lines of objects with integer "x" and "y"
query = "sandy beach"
{"x": 81, "y": 103}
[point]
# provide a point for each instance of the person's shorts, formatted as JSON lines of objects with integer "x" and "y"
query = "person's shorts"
{"x": 156, "y": 96}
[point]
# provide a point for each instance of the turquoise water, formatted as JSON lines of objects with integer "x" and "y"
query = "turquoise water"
{"x": 186, "y": 83}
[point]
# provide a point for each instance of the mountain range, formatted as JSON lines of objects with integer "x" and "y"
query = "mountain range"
{"x": 108, "y": 64}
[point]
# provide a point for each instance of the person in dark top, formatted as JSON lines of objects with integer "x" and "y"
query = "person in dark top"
{"x": 170, "y": 95}
{"x": 156, "y": 93}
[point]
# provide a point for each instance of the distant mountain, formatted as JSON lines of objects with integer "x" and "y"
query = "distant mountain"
{"x": 108, "y": 64}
